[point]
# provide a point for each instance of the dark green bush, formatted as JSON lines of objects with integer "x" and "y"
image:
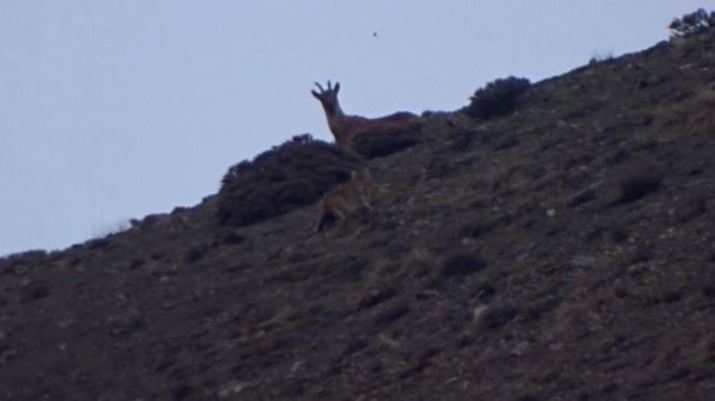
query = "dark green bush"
{"x": 380, "y": 142}
{"x": 498, "y": 98}
{"x": 288, "y": 176}
{"x": 462, "y": 264}
{"x": 26, "y": 258}
{"x": 637, "y": 186}
{"x": 688, "y": 24}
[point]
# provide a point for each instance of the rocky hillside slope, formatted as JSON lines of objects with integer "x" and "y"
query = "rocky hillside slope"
{"x": 563, "y": 252}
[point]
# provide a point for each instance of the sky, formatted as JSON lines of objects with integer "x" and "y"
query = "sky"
{"x": 115, "y": 109}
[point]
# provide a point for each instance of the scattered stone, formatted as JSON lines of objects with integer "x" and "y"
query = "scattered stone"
{"x": 583, "y": 261}
{"x": 229, "y": 390}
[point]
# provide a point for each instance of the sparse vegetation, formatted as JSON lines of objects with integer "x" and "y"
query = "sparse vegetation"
{"x": 691, "y": 116}
{"x": 691, "y": 208}
{"x": 475, "y": 229}
{"x": 495, "y": 250}
{"x": 26, "y": 257}
{"x": 32, "y": 291}
{"x": 497, "y": 98}
{"x": 293, "y": 174}
{"x": 695, "y": 22}
{"x": 602, "y": 56}
{"x": 105, "y": 230}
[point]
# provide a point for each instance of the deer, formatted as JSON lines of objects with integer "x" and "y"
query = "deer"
{"x": 346, "y": 127}
{"x": 347, "y": 198}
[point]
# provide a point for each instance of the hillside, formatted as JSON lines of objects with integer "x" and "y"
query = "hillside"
{"x": 563, "y": 252}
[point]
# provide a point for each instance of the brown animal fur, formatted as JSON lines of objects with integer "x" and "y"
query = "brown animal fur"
{"x": 347, "y": 198}
{"x": 346, "y": 127}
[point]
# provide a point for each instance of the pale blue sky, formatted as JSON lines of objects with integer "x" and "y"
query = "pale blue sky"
{"x": 114, "y": 109}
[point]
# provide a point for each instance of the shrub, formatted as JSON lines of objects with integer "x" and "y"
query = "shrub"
{"x": 296, "y": 173}
{"x": 379, "y": 142}
{"x": 462, "y": 264}
{"x": 696, "y": 22}
{"x": 638, "y": 186}
{"x": 498, "y": 98}
{"x": 26, "y": 258}
{"x": 601, "y": 57}
{"x": 196, "y": 253}
{"x": 637, "y": 183}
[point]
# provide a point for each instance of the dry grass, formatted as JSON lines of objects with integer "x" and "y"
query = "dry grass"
{"x": 692, "y": 117}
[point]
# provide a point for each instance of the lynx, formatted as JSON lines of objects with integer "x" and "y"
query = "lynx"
{"x": 347, "y": 198}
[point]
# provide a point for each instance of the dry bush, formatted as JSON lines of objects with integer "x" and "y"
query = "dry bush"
{"x": 386, "y": 278}
{"x": 381, "y": 283}
{"x": 694, "y": 116}
{"x": 498, "y": 98}
{"x": 420, "y": 262}
{"x": 570, "y": 319}
{"x": 288, "y": 176}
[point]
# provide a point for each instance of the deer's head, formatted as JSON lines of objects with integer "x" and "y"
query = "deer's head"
{"x": 328, "y": 97}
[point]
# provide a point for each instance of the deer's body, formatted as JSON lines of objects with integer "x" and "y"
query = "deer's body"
{"x": 347, "y": 198}
{"x": 346, "y": 127}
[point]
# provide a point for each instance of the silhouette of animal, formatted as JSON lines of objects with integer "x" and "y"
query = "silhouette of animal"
{"x": 346, "y": 127}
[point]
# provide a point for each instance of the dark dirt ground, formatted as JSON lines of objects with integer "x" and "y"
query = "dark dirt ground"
{"x": 564, "y": 252}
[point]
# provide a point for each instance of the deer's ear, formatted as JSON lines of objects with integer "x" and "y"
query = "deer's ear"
{"x": 315, "y": 94}
{"x": 337, "y": 87}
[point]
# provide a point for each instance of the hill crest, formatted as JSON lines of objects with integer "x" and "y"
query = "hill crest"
{"x": 564, "y": 251}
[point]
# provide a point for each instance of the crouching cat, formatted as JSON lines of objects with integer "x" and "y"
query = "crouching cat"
{"x": 347, "y": 198}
